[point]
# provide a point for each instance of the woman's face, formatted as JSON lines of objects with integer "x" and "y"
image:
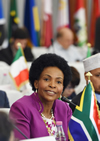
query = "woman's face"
{"x": 68, "y": 90}
{"x": 50, "y": 84}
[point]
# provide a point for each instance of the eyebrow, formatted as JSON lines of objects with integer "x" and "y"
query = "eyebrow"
{"x": 56, "y": 78}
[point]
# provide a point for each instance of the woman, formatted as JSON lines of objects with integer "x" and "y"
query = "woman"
{"x": 69, "y": 91}
{"x": 36, "y": 114}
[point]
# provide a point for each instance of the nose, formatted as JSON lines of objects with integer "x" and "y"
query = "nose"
{"x": 52, "y": 84}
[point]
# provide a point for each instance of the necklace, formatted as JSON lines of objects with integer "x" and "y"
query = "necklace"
{"x": 52, "y": 116}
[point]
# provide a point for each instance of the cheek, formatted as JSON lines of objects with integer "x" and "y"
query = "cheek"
{"x": 42, "y": 85}
{"x": 60, "y": 89}
{"x": 96, "y": 82}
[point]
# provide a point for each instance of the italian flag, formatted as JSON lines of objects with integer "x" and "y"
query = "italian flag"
{"x": 85, "y": 121}
{"x": 80, "y": 23}
{"x": 19, "y": 71}
{"x": 63, "y": 14}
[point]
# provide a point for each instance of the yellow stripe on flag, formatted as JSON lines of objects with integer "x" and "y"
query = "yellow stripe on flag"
{"x": 70, "y": 136}
{"x": 36, "y": 18}
{"x": 81, "y": 102}
{"x": 62, "y": 5}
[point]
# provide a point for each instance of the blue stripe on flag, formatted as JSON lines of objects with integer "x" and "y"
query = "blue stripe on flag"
{"x": 29, "y": 21}
{"x": 76, "y": 131}
{"x": 1, "y": 10}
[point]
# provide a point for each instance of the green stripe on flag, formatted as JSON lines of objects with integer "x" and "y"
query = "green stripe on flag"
{"x": 18, "y": 54}
{"x": 13, "y": 18}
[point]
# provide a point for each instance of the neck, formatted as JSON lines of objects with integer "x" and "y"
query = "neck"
{"x": 48, "y": 115}
{"x": 47, "y": 109}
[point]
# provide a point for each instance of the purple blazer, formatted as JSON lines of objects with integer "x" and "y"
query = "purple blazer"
{"x": 27, "y": 114}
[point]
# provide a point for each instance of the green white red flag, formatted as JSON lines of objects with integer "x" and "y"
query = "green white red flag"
{"x": 19, "y": 71}
{"x": 63, "y": 14}
{"x": 80, "y": 23}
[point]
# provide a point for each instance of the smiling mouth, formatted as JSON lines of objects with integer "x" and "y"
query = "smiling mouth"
{"x": 51, "y": 92}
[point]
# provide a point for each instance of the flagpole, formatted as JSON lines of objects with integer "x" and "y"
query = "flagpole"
{"x": 88, "y": 75}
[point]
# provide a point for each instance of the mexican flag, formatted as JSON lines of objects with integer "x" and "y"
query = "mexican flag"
{"x": 19, "y": 71}
{"x": 80, "y": 23}
{"x": 85, "y": 121}
{"x": 63, "y": 14}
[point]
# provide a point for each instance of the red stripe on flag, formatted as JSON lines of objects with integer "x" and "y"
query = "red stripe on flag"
{"x": 96, "y": 115}
{"x": 79, "y": 4}
{"x": 22, "y": 77}
{"x": 48, "y": 30}
{"x": 95, "y": 13}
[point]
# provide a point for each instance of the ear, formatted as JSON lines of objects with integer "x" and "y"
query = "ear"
{"x": 36, "y": 84}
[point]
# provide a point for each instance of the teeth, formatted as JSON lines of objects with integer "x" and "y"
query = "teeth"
{"x": 51, "y": 92}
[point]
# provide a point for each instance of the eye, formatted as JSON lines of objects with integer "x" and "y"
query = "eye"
{"x": 59, "y": 82}
{"x": 46, "y": 79}
{"x": 98, "y": 75}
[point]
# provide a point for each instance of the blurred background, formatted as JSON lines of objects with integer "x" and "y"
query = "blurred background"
{"x": 91, "y": 8}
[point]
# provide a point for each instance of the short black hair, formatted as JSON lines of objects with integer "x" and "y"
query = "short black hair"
{"x": 6, "y": 126}
{"x": 75, "y": 77}
{"x": 48, "y": 60}
{"x": 20, "y": 33}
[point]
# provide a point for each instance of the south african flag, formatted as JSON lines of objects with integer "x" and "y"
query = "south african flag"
{"x": 85, "y": 121}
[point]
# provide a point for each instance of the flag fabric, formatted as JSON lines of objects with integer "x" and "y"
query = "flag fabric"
{"x": 47, "y": 30}
{"x": 13, "y": 18}
{"x": 85, "y": 121}
{"x": 97, "y": 35}
{"x": 80, "y": 23}
{"x": 2, "y": 24}
{"x": 95, "y": 14}
{"x": 19, "y": 71}
{"x": 97, "y": 26}
{"x": 31, "y": 21}
{"x": 88, "y": 50}
{"x": 63, "y": 14}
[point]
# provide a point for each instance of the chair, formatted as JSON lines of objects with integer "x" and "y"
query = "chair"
{"x": 5, "y": 78}
{"x": 37, "y": 51}
{"x": 6, "y": 110}
{"x": 13, "y": 95}
{"x": 79, "y": 66}
{"x": 4, "y": 73}
{"x": 3, "y": 64}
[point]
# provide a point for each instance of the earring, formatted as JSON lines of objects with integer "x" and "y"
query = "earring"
{"x": 36, "y": 90}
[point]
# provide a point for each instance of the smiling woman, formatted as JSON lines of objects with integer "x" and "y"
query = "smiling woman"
{"x": 49, "y": 75}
